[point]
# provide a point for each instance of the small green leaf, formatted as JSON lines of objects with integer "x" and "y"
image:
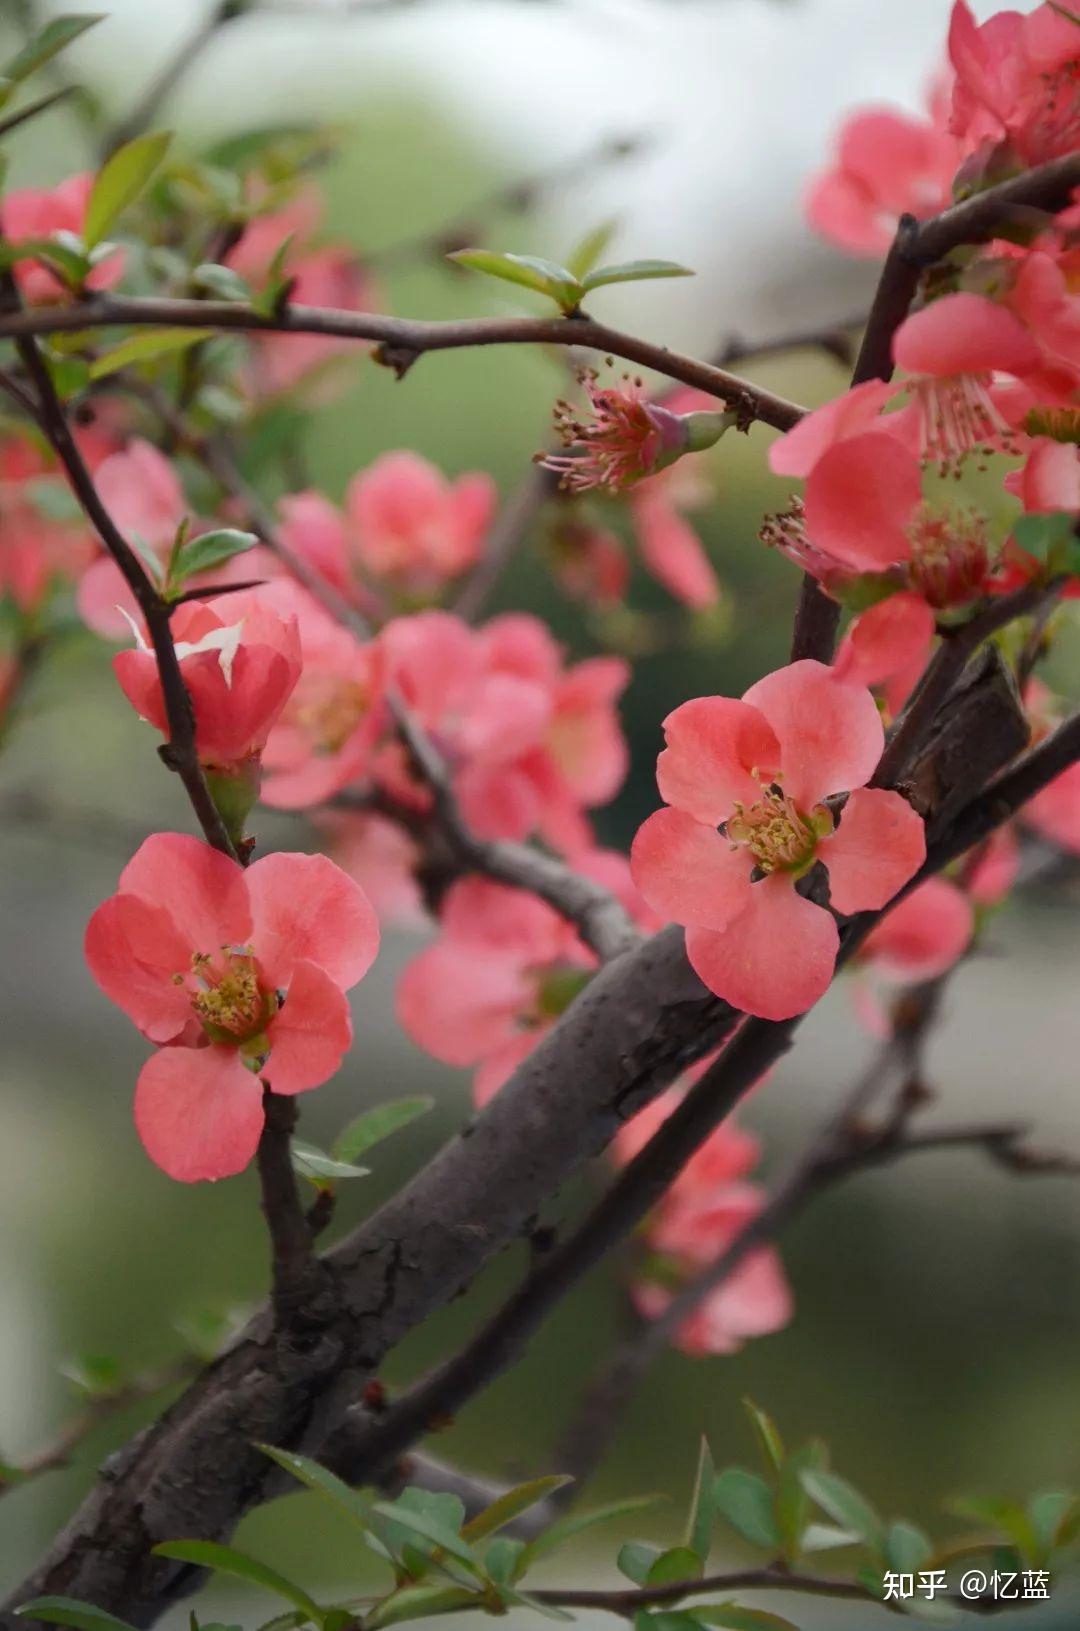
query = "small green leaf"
{"x": 372, "y": 1126}
{"x": 55, "y": 37}
{"x": 769, "y": 1441}
{"x": 635, "y": 1560}
{"x": 147, "y": 346}
{"x": 417, "y": 1603}
{"x": 67, "y": 1611}
{"x": 23, "y": 115}
{"x": 1003, "y": 1515}
{"x": 429, "y": 1528}
{"x": 511, "y": 1504}
{"x": 746, "y": 1501}
{"x": 699, "y": 1527}
{"x": 792, "y": 1501}
{"x": 322, "y": 1482}
{"x": 907, "y": 1549}
{"x": 525, "y": 1600}
{"x": 666, "y": 1619}
{"x": 502, "y": 1559}
{"x": 120, "y": 181}
{"x": 844, "y": 1505}
{"x": 677, "y": 1563}
{"x": 577, "y": 1523}
{"x": 221, "y": 281}
{"x": 208, "y": 551}
{"x": 633, "y": 272}
{"x": 585, "y": 255}
{"x": 209, "y": 1555}
{"x": 1045, "y": 536}
{"x": 312, "y": 1163}
{"x": 825, "y": 1537}
{"x": 70, "y": 264}
{"x": 529, "y": 271}
{"x": 100, "y": 1376}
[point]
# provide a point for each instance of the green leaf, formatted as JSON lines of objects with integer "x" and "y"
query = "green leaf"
{"x": 845, "y": 1505}
{"x": 825, "y": 1537}
{"x": 666, "y": 1619}
{"x": 746, "y": 1501}
{"x": 67, "y": 1611}
{"x": 209, "y": 550}
{"x": 635, "y": 1559}
{"x": 633, "y": 272}
{"x": 221, "y": 281}
{"x": 577, "y": 1522}
{"x": 792, "y": 1501}
{"x": 1068, "y": 1530}
{"x": 1051, "y": 538}
{"x": 907, "y": 1549}
{"x": 322, "y": 1482}
{"x": 372, "y": 1126}
{"x": 69, "y": 263}
{"x": 55, "y": 37}
{"x": 147, "y": 346}
{"x": 417, "y": 1603}
{"x": 69, "y": 375}
{"x": 1003, "y": 1515}
{"x": 770, "y": 1443}
{"x": 209, "y": 1555}
{"x": 513, "y": 1502}
{"x": 502, "y": 1559}
{"x": 586, "y": 253}
{"x": 529, "y": 271}
{"x": 99, "y": 1376}
{"x": 733, "y": 1617}
{"x": 312, "y": 1163}
{"x": 677, "y": 1563}
{"x": 429, "y": 1528}
{"x": 120, "y": 181}
{"x": 699, "y": 1527}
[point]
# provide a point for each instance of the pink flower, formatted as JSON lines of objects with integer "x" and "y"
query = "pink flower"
{"x": 504, "y": 967}
{"x": 623, "y": 437}
{"x": 952, "y": 350}
{"x": 141, "y": 491}
{"x": 888, "y": 646}
{"x": 36, "y": 553}
{"x": 759, "y": 769}
{"x": 728, "y": 1154}
{"x": 754, "y": 1301}
{"x": 327, "y": 732}
{"x": 383, "y": 859}
{"x": 36, "y": 212}
{"x": 1016, "y": 81}
{"x": 887, "y": 164}
{"x": 404, "y": 523}
{"x": 1054, "y": 813}
{"x": 670, "y": 548}
{"x": 924, "y": 935}
{"x": 589, "y": 562}
{"x": 992, "y": 869}
{"x": 240, "y": 661}
{"x": 327, "y": 275}
{"x": 240, "y": 977}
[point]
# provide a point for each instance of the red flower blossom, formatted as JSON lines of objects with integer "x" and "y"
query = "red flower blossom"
{"x": 759, "y": 769}
{"x": 240, "y": 976}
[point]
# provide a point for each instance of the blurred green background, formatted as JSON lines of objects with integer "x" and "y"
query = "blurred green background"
{"x": 937, "y": 1320}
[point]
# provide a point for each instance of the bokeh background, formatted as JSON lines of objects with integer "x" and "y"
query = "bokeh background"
{"x": 938, "y": 1317}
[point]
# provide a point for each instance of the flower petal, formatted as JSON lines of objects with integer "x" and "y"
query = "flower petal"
{"x": 202, "y": 891}
{"x": 775, "y": 959}
{"x": 860, "y": 498}
{"x": 713, "y": 744}
{"x": 963, "y": 334}
{"x": 923, "y": 936}
{"x": 306, "y": 909}
{"x": 133, "y": 949}
{"x": 198, "y": 1112}
{"x": 460, "y": 1002}
{"x": 829, "y": 731}
{"x": 310, "y": 1035}
{"x": 879, "y": 844}
{"x": 689, "y": 873}
{"x": 844, "y": 417}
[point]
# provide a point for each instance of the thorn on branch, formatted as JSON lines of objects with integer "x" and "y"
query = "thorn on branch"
{"x": 398, "y": 358}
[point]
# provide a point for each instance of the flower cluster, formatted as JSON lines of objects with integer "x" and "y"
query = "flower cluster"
{"x": 707, "y": 1206}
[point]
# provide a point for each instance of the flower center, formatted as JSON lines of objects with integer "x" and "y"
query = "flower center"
{"x": 329, "y": 710}
{"x": 226, "y": 996}
{"x": 958, "y": 417}
{"x": 950, "y": 556}
{"x": 778, "y": 835}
